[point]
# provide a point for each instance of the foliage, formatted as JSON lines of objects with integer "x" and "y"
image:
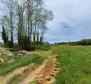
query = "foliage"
{"x": 4, "y": 36}
{"x": 81, "y": 42}
{"x": 85, "y": 42}
{"x": 41, "y": 47}
{"x": 26, "y": 22}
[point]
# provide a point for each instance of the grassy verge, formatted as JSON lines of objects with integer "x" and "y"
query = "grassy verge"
{"x": 34, "y": 82}
{"x": 75, "y": 65}
{"x": 20, "y": 62}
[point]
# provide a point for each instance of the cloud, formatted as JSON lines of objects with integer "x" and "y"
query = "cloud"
{"x": 65, "y": 25}
{"x": 72, "y": 20}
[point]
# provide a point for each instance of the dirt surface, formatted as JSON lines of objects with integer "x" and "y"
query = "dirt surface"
{"x": 5, "y": 79}
{"x": 44, "y": 74}
{"x": 33, "y": 75}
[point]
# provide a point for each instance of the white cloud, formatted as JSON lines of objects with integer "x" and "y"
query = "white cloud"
{"x": 76, "y": 13}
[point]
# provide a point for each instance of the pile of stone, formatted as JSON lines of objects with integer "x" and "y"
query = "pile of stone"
{"x": 2, "y": 54}
{"x": 21, "y": 53}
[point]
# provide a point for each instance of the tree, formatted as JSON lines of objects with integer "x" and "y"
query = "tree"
{"x": 28, "y": 19}
{"x": 20, "y": 25}
{"x": 9, "y": 5}
{"x": 4, "y": 36}
{"x": 10, "y": 9}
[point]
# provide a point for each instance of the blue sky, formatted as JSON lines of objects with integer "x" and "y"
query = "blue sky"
{"x": 72, "y": 20}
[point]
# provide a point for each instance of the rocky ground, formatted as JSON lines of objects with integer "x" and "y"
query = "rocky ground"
{"x": 43, "y": 74}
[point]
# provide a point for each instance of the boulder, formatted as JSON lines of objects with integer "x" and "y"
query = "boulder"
{"x": 9, "y": 54}
{"x": 22, "y": 52}
{"x": 1, "y": 60}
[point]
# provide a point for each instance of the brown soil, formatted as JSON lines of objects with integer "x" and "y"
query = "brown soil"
{"x": 44, "y": 74}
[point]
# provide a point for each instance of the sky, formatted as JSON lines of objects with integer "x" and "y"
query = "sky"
{"x": 72, "y": 20}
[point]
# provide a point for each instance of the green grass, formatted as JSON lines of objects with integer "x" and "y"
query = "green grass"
{"x": 41, "y": 47}
{"x": 20, "y": 62}
{"x": 75, "y": 65}
{"x": 34, "y": 82}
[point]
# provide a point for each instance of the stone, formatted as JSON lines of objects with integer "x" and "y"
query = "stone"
{"x": 9, "y": 54}
{"x": 52, "y": 75}
{"x": 21, "y": 53}
{"x": 48, "y": 79}
{"x": 12, "y": 49}
{"x": 0, "y": 53}
{"x": 11, "y": 60}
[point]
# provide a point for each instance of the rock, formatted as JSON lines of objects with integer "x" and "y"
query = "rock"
{"x": 1, "y": 60}
{"x": 12, "y": 49}
{"x": 9, "y": 54}
{"x": 4, "y": 53}
{"x": 40, "y": 76}
{"x": 0, "y": 53}
{"x": 55, "y": 69}
{"x": 11, "y": 60}
{"x": 21, "y": 53}
{"x": 52, "y": 75}
{"x": 48, "y": 79}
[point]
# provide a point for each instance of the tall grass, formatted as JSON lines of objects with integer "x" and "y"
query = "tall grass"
{"x": 75, "y": 65}
{"x": 19, "y": 62}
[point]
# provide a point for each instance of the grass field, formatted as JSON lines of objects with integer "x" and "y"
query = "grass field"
{"x": 75, "y": 65}
{"x": 20, "y": 62}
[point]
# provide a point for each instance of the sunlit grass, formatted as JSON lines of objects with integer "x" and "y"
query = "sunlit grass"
{"x": 75, "y": 65}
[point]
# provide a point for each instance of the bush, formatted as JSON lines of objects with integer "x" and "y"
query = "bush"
{"x": 40, "y": 47}
{"x": 85, "y": 42}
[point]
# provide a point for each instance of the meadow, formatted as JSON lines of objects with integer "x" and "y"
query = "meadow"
{"x": 75, "y": 65}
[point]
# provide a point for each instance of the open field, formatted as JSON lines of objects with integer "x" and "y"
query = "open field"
{"x": 75, "y": 65}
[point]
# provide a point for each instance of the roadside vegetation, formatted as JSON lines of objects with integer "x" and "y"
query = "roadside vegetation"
{"x": 20, "y": 62}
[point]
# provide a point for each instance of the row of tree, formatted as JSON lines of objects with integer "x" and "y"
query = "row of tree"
{"x": 81, "y": 42}
{"x": 24, "y": 22}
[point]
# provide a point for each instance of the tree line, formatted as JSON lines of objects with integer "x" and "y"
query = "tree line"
{"x": 81, "y": 42}
{"x": 24, "y": 22}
